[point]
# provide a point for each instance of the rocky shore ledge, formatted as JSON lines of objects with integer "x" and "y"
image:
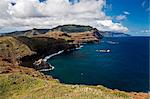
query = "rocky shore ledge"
{"x": 43, "y": 65}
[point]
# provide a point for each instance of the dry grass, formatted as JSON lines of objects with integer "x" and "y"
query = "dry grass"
{"x": 19, "y": 49}
{"x": 21, "y": 86}
{"x": 77, "y": 37}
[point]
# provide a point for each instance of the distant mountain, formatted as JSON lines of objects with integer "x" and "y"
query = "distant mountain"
{"x": 31, "y": 32}
{"x": 113, "y": 34}
{"x": 30, "y": 45}
{"x": 70, "y": 28}
{"x": 62, "y": 28}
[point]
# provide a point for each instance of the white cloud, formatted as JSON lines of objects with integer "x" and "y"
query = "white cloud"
{"x": 126, "y": 13}
{"x": 3, "y": 8}
{"x": 121, "y": 17}
{"x": 108, "y": 24}
{"x": 33, "y": 14}
{"x": 145, "y": 31}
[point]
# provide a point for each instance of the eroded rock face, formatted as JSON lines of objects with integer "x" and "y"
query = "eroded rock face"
{"x": 76, "y": 37}
{"x": 28, "y": 46}
{"x": 11, "y": 50}
{"x": 78, "y": 33}
{"x": 43, "y": 46}
{"x": 10, "y": 45}
{"x": 41, "y": 64}
{"x": 25, "y": 50}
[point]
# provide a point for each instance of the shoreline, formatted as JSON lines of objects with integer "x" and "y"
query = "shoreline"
{"x": 48, "y": 57}
{"x": 96, "y": 85}
{"x": 41, "y": 61}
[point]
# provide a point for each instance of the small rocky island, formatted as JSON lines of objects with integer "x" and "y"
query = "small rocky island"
{"x": 22, "y": 55}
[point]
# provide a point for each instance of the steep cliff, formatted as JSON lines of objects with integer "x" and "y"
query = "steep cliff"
{"x": 66, "y": 29}
{"x": 23, "y": 50}
{"x": 18, "y": 51}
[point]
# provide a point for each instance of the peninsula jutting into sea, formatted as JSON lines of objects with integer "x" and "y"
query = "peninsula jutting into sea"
{"x": 25, "y": 53}
{"x": 74, "y": 49}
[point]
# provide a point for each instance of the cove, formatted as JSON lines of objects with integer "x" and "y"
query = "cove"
{"x": 125, "y": 67}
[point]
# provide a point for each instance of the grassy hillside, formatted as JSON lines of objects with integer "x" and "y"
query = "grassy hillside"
{"x": 76, "y": 38}
{"x": 18, "y": 82}
{"x": 70, "y": 28}
{"x": 21, "y": 86}
{"x": 11, "y": 50}
{"x": 9, "y": 44}
{"x": 28, "y": 33}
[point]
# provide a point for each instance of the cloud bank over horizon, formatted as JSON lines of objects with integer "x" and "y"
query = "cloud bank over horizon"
{"x": 28, "y": 14}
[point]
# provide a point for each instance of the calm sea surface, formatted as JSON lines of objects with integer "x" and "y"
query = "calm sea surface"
{"x": 125, "y": 67}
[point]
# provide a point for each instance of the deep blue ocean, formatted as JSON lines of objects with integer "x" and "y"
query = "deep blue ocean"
{"x": 125, "y": 67}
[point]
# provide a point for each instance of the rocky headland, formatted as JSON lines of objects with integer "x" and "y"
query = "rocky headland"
{"x": 22, "y": 55}
{"x": 28, "y": 47}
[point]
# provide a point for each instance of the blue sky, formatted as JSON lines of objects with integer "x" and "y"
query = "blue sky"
{"x": 129, "y": 16}
{"x": 137, "y": 20}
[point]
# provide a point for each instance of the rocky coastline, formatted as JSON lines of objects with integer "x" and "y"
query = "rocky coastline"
{"x": 43, "y": 65}
{"x": 39, "y": 61}
{"x": 28, "y": 51}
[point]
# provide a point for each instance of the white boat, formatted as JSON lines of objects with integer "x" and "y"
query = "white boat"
{"x": 103, "y": 50}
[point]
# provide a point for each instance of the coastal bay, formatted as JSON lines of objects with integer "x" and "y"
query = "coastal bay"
{"x": 125, "y": 67}
{"x": 24, "y": 54}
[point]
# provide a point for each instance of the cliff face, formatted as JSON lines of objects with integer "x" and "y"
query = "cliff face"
{"x": 11, "y": 50}
{"x": 75, "y": 33}
{"x": 30, "y": 45}
{"x": 11, "y": 44}
{"x": 76, "y": 37}
{"x": 43, "y": 46}
{"x": 25, "y": 47}
{"x": 70, "y": 28}
{"x": 22, "y": 48}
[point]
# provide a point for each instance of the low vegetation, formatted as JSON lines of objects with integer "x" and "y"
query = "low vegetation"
{"x": 72, "y": 28}
{"x": 20, "y": 80}
{"x": 22, "y": 86}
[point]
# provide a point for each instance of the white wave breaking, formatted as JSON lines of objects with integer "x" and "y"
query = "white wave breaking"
{"x": 80, "y": 47}
{"x": 50, "y": 56}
